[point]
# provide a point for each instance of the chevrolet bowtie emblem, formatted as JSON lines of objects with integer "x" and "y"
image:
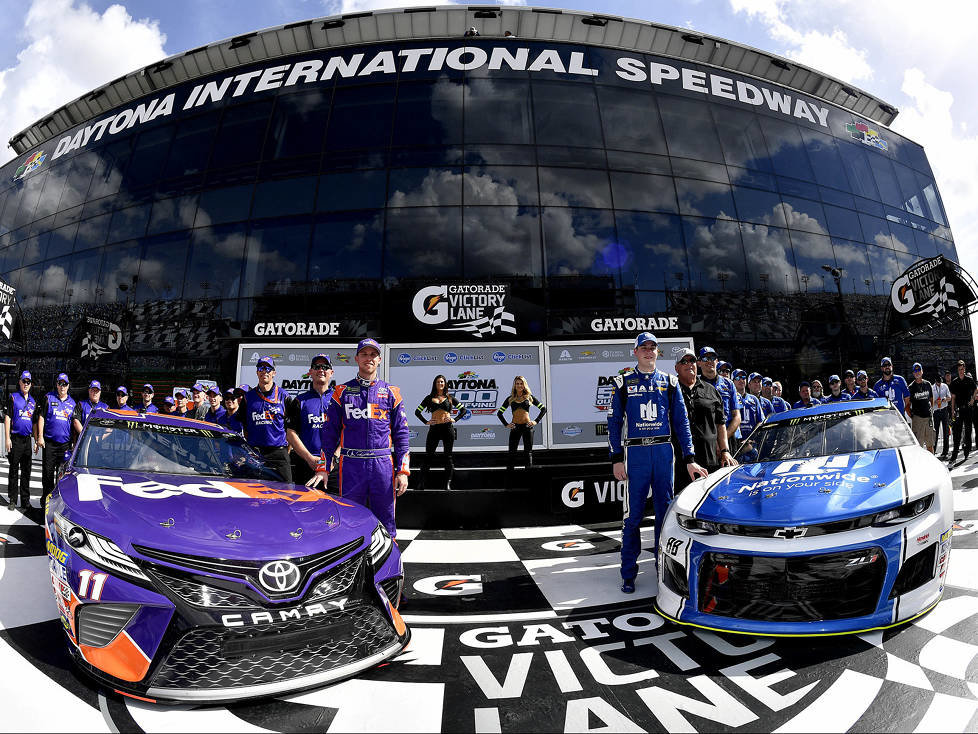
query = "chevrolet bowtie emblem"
{"x": 233, "y": 535}
{"x": 168, "y": 523}
{"x": 296, "y": 533}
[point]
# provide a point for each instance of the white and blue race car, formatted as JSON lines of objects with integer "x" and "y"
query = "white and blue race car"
{"x": 835, "y": 522}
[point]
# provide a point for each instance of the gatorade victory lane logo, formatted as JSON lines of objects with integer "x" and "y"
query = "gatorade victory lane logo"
{"x": 479, "y": 310}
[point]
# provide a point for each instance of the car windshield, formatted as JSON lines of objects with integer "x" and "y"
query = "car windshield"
{"x": 149, "y": 447}
{"x": 825, "y": 434}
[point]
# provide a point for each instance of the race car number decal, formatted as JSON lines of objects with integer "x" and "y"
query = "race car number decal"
{"x": 87, "y": 577}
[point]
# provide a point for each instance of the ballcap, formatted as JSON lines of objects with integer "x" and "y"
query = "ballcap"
{"x": 96, "y": 384}
{"x": 368, "y": 342}
{"x": 644, "y": 338}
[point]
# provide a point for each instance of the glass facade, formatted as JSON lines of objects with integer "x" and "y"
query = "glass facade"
{"x": 592, "y": 196}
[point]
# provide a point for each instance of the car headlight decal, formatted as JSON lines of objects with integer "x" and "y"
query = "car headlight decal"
{"x": 695, "y": 525}
{"x": 100, "y": 551}
{"x": 380, "y": 546}
{"x": 901, "y": 514}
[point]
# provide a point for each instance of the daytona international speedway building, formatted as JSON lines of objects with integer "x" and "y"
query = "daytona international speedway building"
{"x": 381, "y": 174}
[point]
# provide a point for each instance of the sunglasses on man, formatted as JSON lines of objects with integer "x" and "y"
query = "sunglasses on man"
{"x": 687, "y": 360}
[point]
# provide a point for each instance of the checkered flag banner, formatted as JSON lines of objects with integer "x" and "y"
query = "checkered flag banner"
{"x": 501, "y": 320}
{"x": 7, "y": 304}
{"x": 940, "y": 301}
{"x": 90, "y": 348}
{"x": 7, "y": 321}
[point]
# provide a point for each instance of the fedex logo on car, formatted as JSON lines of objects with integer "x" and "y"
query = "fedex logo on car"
{"x": 372, "y": 410}
{"x": 91, "y": 486}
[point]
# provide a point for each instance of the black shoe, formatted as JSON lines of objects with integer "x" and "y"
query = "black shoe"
{"x": 628, "y": 586}
{"x": 954, "y": 457}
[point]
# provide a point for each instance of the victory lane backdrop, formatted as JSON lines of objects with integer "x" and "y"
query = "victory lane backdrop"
{"x": 580, "y": 385}
{"x": 292, "y": 363}
{"x": 481, "y": 377}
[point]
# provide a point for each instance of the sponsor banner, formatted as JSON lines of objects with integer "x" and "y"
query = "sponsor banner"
{"x": 481, "y": 377}
{"x": 580, "y": 385}
{"x": 928, "y": 291}
{"x": 292, "y": 363}
{"x": 7, "y": 305}
{"x": 476, "y": 309}
{"x": 593, "y": 496}
{"x": 98, "y": 338}
{"x": 658, "y": 324}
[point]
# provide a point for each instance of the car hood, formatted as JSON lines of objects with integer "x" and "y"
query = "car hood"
{"x": 212, "y": 516}
{"x": 819, "y": 489}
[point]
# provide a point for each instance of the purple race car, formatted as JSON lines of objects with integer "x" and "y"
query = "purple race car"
{"x": 185, "y": 570}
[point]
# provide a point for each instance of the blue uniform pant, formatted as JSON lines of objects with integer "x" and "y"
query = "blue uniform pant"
{"x": 647, "y": 467}
{"x": 370, "y": 482}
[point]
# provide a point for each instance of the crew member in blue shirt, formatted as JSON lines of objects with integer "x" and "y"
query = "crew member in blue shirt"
{"x": 262, "y": 414}
{"x": 147, "y": 404}
{"x": 752, "y": 412}
{"x": 709, "y": 372}
{"x": 835, "y": 391}
{"x": 805, "y": 393}
{"x": 306, "y": 418}
{"x": 646, "y": 409}
{"x": 216, "y": 411}
{"x": 53, "y": 432}
{"x": 755, "y": 387}
{"x": 862, "y": 388}
{"x": 122, "y": 398}
{"x": 893, "y": 387}
{"x": 772, "y": 391}
{"x": 850, "y": 383}
{"x": 85, "y": 408}
{"x": 231, "y": 404}
{"x": 18, "y": 425}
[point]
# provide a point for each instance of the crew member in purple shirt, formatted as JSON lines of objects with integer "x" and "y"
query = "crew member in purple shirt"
{"x": 53, "y": 432}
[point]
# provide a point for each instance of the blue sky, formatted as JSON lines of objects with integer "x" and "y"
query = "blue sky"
{"x": 918, "y": 57}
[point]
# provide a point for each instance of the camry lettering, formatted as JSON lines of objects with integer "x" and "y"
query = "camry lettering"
{"x": 284, "y": 615}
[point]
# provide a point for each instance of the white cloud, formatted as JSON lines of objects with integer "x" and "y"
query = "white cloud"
{"x": 68, "y": 50}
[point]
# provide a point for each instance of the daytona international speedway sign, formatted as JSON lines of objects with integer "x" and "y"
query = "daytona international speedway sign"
{"x": 665, "y": 74}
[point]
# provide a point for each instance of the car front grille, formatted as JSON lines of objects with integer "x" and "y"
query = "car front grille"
{"x": 792, "y": 588}
{"x": 247, "y": 570}
{"x": 99, "y": 624}
{"x": 215, "y": 657}
{"x": 203, "y": 595}
{"x": 337, "y": 580}
{"x": 392, "y": 588}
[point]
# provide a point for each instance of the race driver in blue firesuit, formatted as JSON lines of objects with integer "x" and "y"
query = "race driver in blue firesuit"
{"x": 648, "y": 405}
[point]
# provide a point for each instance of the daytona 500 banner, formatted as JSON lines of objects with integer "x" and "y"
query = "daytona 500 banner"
{"x": 580, "y": 378}
{"x": 479, "y": 376}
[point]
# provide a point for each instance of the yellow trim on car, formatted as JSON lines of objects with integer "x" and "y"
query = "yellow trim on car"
{"x": 664, "y": 615}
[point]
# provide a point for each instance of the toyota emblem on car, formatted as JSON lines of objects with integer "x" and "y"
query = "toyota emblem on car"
{"x": 279, "y": 576}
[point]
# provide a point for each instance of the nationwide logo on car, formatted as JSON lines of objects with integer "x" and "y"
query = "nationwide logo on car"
{"x": 450, "y": 585}
{"x": 33, "y": 162}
